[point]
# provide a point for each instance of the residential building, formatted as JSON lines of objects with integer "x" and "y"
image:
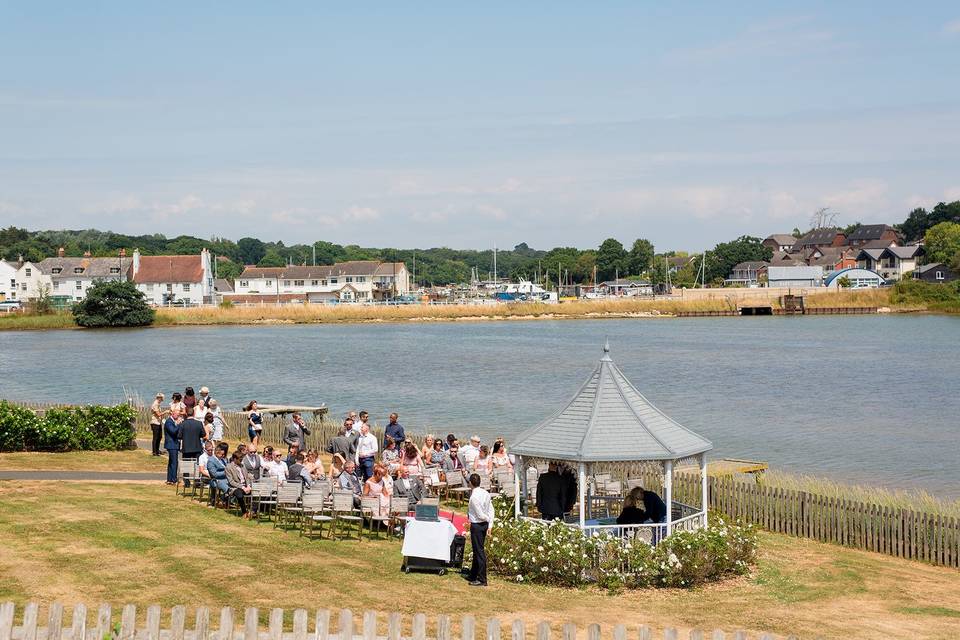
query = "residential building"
{"x": 935, "y": 272}
{"x": 891, "y": 262}
{"x": 786, "y": 259}
{"x": 675, "y": 263}
{"x": 855, "y": 278}
{"x": 794, "y": 276}
{"x": 8, "y": 280}
{"x": 623, "y": 287}
{"x": 359, "y": 280}
{"x": 868, "y": 233}
{"x": 168, "y": 280}
{"x": 832, "y": 258}
{"x": 780, "y": 242}
{"x": 747, "y": 273}
{"x": 826, "y": 237}
{"x": 66, "y": 279}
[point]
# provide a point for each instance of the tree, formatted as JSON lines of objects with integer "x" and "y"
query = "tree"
{"x": 272, "y": 258}
{"x": 942, "y": 242}
{"x": 251, "y": 250}
{"x": 611, "y": 257}
{"x": 113, "y": 304}
{"x": 723, "y": 257}
{"x": 583, "y": 268}
{"x": 228, "y": 269}
{"x": 844, "y": 282}
{"x": 641, "y": 255}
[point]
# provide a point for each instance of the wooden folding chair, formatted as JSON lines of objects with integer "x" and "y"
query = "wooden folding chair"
{"x": 342, "y": 510}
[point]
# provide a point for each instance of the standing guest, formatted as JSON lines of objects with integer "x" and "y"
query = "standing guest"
{"x": 176, "y": 406}
{"x": 213, "y": 409}
{"x": 367, "y": 447}
{"x": 376, "y": 485}
{"x": 427, "y": 450}
{"x": 390, "y": 456}
{"x": 208, "y": 426}
{"x": 571, "y": 487}
{"x": 189, "y": 401}
{"x": 551, "y": 494}
{"x": 359, "y": 423}
{"x": 253, "y": 463}
{"x": 297, "y": 432}
{"x": 193, "y": 434}
{"x": 346, "y": 443}
{"x": 217, "y": 470}
{"x": 204, "y": 398}
{"x": 255, "y": 422}
{"x": 238, "y": 483}
{"x": 410, "y": 488}
{"x": 156, "y": 423}
{"x": 449, "y": 441}
{"x": 171, "y": 442}
{"x": 337, "y": 465}
{"x": 393, "y": 430}
{"x": 297, "y": 471}
{"x": 483, "y": 463}
{"x": 499, "y": 459}
{"x": 481, "y": 516}
{"x": 411, "y": 460}
{"x": 437, "y": 455}
{"x": 470, "y": 452}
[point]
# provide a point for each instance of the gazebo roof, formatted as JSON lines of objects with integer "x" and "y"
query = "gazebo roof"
{"x": 608, "y": 420}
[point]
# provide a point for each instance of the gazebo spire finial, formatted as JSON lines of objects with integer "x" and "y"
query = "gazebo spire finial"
{"x": 606, "y": 350}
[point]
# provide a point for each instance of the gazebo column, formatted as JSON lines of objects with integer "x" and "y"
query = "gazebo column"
{"x": 668, "y": 491}
{"x": 704, "y": 493}
{"x": 582, "y": 490}
{"x": 519, "y": 468}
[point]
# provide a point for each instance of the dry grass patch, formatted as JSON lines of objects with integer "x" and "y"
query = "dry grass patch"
{"x": 93, "y": 542}
{"x": 134, "y": 460}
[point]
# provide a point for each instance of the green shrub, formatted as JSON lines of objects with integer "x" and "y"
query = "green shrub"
{"x": 563, "y": 556}
{"x": 113, "y": 304}
{"x": 93, "y": 428}
{"x": 918, "y": 291}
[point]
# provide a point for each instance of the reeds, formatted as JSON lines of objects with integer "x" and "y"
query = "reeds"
{"x": 913, "y": 499}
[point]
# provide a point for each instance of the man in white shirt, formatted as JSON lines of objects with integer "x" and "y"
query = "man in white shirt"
{"x": 202, "y": 460}
{"x": 481, "y": 516}
{"x": 367, "y": 447}
{"x": 469, "y": 453}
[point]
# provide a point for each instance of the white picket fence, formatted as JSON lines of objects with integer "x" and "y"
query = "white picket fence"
{"x": 130, "y": 627}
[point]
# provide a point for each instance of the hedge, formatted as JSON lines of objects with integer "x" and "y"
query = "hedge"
{"x": 92, "y": 428}
{"x": 560, "y": 555}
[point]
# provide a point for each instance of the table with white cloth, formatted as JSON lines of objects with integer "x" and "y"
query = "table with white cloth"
{"x": 428, "y": 540}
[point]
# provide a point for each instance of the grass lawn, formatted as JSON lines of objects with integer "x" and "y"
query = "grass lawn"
{"x": 120, "y": 543}
{"x": 136, "y": 460}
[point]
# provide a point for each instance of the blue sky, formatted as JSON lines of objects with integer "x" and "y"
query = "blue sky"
{"x": 481, "y": 123}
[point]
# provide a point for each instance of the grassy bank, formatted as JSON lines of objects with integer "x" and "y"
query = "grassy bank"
{"x": 799, "y": 587}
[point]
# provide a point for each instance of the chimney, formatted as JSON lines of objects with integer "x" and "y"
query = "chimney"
{"x": 61, "y": 252}
{"x": 86, "y": 254}
{"x": 19, "y": 260}
{"x": 136, "y": 262}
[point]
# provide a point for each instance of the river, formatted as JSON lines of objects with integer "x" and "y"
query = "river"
{"x": 866, "y": 399}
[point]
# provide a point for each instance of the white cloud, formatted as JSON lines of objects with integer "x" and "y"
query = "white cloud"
{"x": 791, "y": 35}
{"x": 952, "y": 28}
{"x": 860, "y": 198}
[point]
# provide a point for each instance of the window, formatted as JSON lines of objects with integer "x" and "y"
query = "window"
{"x": 314, "y": 283}
{"x": 55, "y": 270}
{"x": 361, "y": 278}
{"x": 298, "y": 283}
{"x": 286, "y": 283}
{"x": 269, "y": 283}
{"x": 78, "y": 269}
{"x": 244, "y": 283}
{"x": 28, "y": 271}
{"x": 79, "y": 285}
{"x": 333, "y": 281}
{"x": 56, "y": 284}
{"x": 13, "y": 283}
{"x": 186, "y": 286}
{"x": 939, "y": 275}
{"x": 24, "y": 286}
{"x": 349, "y": 278}
{"x": 114, "y": 269}
{"x": 323, "y": 282}
{"x": 149, "y": 286}
{"x": 169, "y": 288}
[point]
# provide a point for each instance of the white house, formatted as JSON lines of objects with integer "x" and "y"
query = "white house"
{"x": 891, "y": 262}
{"x": 68, "y": 278}
{"x": 166, "y": 280}
{"x": 359, "y": 280}
{"x": 8, "y": 280}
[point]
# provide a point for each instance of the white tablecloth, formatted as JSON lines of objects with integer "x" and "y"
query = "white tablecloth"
{"x": 428, "y": 539}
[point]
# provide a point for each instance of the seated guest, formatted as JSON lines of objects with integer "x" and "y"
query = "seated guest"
{"x": 411, "y": 460}
{"x": 390, "y": 457}
{"x": 273, "y": 465}
{"x": 298, "y": 471}
{"x": 410, "y": 488}
{"x": 453, "y": 462}
{"x": 427, "y": 447}
{"x": 642, "y": 506}
{"x": 436, "y": 456}
{"x": 217, "y": 470}
{"x": 314, "y": 466}
{"x": 348, "y": 480}
{"x": 451, "y": 439}
{"x": 376, "y": 486}
{"x": 237, "y": 481}
{"x": 483, "y": 463}
{"x": 499, "y": 458}
{"x": 202, "y": 460}
{"x": 292, "y": 451}
{"x": 252, "y": 463}
{"x": 337, "y": 465}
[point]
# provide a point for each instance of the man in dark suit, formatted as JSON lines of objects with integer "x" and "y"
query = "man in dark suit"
{"x": 551, "y": 494}
{"x": 296, "y": 433}
{"x": 345, "y": 444}
{"x": 192, "y": 435}
{"x": 410, "y": 488}
{"x": 171, "y": 442}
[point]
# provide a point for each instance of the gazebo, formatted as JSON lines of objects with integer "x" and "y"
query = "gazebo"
{"x": 609, "y": 426}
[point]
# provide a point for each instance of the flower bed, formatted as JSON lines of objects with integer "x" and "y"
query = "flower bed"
{"x": 93, "y": 428}
{"x": 560, "y": 555}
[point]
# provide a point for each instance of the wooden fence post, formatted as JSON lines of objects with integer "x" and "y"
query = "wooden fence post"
{"x": 226, "y": 623}
{"x": 6, "y": 621}
{"x": 468, "y": 628}
{"x": 346, "y": 624}
{"x": 251, "y": 624}
{"x": 593, "y": 632}
{"x": 103, "y": 621}
{"x": 128, "y": 623}
{"x": 619, "y": 632}
{"x": 201, "y": 629}
{"x": 370, "y": 625}
{"x": 518, "y": 631}
{"x": 644, "y": 633}
{"x": 321, "y": 625}
{"x": 420, "y": 627}
{"x": 275, "y": 629}
{"x": 393, "y": 626}
{"x": 569, "y": 631}
{"x": 669, "y": 634}
{"x": 300, "y": 624}
{"x": 28, "y": 630}
{"x": 493, "y": 629}
{"x": 78, "y": 631}
{"x": 55, "y": 622}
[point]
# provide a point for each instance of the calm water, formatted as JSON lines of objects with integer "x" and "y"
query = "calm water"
{"x": 867, "y": 399}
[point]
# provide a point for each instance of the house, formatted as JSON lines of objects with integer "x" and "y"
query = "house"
{"x": 779, "y": 242}
{"x": 746, "y": 273}
{"x": 794, "y": 276}
{"x": 624, "y": 287}
{"x": 222, "y": 286}
{"x": 855, "y": 278}
{"x": 826, "y": 237}
{"x": 832, "y": 258}
{"x": 675, "y": 263}
{"x": 166, "y": 280}
{"x": 786, "y": 259}
{"x": 67, "y": 280}
{"x": 359, "y": 280}
{"x": 935, "y": 272}
{"x": 8, "y": 280}
{"x": 867, "y": 233}
{"x": 891, "y": 262}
